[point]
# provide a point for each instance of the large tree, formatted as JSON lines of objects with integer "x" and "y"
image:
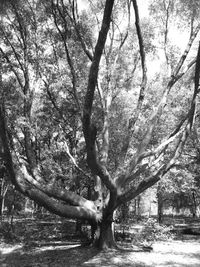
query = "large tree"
{"x": 57, "y": 73}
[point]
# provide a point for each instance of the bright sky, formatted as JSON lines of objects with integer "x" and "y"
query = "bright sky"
{"x": 82, "y": 4}
{"x": 143, "y": 8}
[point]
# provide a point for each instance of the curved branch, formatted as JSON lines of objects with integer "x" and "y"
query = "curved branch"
{"x": 7, "y": 157}
{"x": 133, "y": 120}
{"x": 60, "y": 194}
{"x": 185, "y": 53}
{"x": 93, "y": 74}
{"x": 134, "y": 191}
{"x": 60, "y": 208}
{"x": 89, "y": 129}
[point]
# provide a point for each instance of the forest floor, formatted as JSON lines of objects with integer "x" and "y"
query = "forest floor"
{"x": 35, "y": 248}
{"x": 164, "y": 254}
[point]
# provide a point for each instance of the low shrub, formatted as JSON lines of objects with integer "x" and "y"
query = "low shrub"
{"x": 153, "y": 231}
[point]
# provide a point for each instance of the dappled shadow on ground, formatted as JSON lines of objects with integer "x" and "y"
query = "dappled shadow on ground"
{"x": 143, "y": 259}
{"x": 173, "y": 254}
{"x": 55, "y": 257}
{"x": 164, "y": 254}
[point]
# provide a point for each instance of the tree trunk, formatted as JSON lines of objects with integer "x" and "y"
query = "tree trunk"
{"x": 160, "y": 209}
{"x": 194, "y": 206}
{"x": 1, "y": 205}
{"x": 106, "y": 238}
{"x": 160, "y": 203}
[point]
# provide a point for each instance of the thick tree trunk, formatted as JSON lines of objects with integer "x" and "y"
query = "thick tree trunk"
{"x": 106, "y": 238}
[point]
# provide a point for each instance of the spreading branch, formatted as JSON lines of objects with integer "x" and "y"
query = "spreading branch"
{"x": 60, "y": 194}
{"x": 165, "y": 167}
{"x": 158, "y": 110}
{"x": 46, "y": 195}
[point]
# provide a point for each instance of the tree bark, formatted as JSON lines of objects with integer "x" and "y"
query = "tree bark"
{"x": 105, "y": 234}
{"x": 160, "y": 209}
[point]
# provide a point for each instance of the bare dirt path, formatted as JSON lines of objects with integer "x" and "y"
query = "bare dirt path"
{"x": 164, "y": 254}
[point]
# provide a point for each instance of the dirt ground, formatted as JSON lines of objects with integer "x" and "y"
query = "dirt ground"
{"x": 165, "y": 254}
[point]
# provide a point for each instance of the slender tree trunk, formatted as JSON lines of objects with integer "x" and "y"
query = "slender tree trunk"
{"x": 78, "y": 226}
{"x": 194, "y": 208}
{"x": 160, "y": 213}
{"x": 1, "y": 205}
{"x": 160, "y": 200}
{"x": 160, "y": 208}
{"x": 2, "y": 198}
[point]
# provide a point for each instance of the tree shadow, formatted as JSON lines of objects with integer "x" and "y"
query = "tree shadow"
{"x": 55, "y": 257}
{"x": 179, "y": 255}
{"x": 60, "y": 256}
